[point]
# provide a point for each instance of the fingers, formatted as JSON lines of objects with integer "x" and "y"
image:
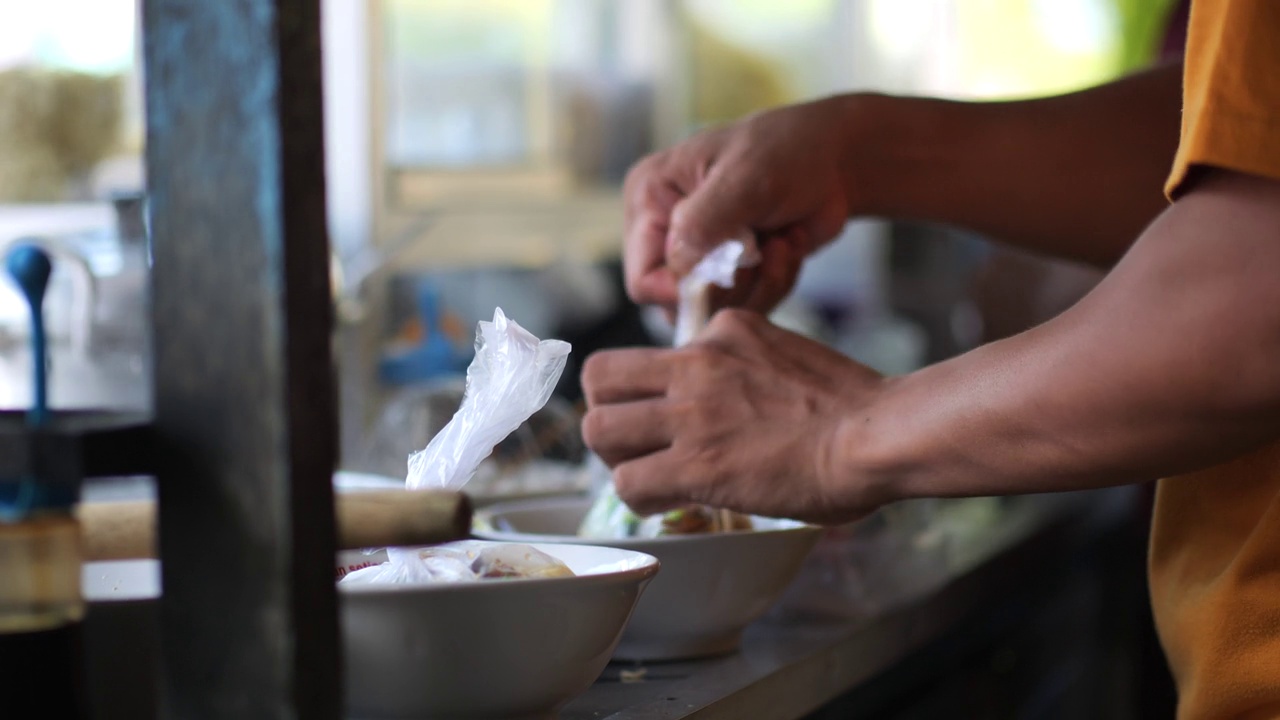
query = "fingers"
{"x": 762, "y": 287}
{"x": 624, "y": 431}
{"x": 718, "y": 209}
{"x": 682, "y": 203}
{"x": 658, "y": 287}
{"x": 650, "y": 198}
{"x": 731, "y": 328}
{"x": 776, "y": 275}
{"x": 650, "y": 484}
{"x": 617, "y": 376}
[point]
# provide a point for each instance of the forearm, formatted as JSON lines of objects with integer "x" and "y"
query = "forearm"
{"x": 1168, "y": 366}
{"x": 1075, "y": 176}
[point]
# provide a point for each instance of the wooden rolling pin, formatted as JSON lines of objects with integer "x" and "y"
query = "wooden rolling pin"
{"x": 373, "y": 519}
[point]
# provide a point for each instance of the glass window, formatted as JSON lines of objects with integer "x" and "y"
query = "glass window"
{"x": 70, "y": 107}
{"x": 465, "y": 81}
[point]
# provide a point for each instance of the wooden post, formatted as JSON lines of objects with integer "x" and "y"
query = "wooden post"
{"x": 245, "y": 409}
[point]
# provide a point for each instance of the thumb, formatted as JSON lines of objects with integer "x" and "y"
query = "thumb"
{"x": 721, "y": 208}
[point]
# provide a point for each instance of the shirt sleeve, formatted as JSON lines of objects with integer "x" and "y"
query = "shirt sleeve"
{"x": 1231, "y": 91}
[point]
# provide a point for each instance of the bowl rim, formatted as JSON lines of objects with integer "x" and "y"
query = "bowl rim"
{"x": 648, "y": 567}
{"x": 356, "y": 481}
{"x": 634, "y": 544}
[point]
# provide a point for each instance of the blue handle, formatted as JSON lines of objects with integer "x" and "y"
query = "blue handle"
{"x": 30, "y": 267}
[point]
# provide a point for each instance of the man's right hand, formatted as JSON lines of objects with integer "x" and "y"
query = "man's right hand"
{"x": 782, "y": 175}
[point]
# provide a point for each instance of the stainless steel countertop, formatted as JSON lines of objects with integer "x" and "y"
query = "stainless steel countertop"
{"x": 788, "y": 669}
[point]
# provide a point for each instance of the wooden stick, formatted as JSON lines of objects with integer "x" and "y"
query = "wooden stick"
{"x": 401, "y": 518}
{"x": 373, "y": 519}
{"x": 118, "y": 530}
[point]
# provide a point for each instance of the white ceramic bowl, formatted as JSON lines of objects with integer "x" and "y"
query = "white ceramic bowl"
{"x": 517, "y": 649}
{"x": 711, "y": 587}
{"x": 509, "y": 649}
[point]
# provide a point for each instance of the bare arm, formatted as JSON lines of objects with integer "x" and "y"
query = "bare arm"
{"x": 1170, "y": 365}
{"x": 1075, "y": 176}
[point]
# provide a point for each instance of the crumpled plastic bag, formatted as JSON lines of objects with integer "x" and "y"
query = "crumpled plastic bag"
{"x": 464, "y": 561}
{"x": 716, "y": 268}
{"x": 510, "y": 378}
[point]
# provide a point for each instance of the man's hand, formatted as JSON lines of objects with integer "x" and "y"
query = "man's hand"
{"x": 744, "y": 418}
{"x": 780, "y": 175}
{"x": 1075, "y": 176}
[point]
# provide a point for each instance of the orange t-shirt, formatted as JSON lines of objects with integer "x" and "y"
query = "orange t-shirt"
{"x": 1215, "y": 543}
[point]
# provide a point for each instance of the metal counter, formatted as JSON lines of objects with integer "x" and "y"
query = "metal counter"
{"x": 790, "y": 669}
{"x": 794, "y": 668}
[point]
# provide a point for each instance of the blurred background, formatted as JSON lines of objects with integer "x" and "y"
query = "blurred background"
{"x": 475, "y": 154}
{"x": 475, "y": 151}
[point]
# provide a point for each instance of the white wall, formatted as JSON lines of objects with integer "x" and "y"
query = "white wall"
{"x": 348, "y": 165}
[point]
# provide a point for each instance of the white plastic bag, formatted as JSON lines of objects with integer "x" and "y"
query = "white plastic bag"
{"x": 717, "y": 268}
{"x": 463, "y": 561}
{"x": 510, "y": 378}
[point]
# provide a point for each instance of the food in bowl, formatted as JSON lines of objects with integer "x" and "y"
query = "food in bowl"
{"x": 463, "y": 561}
{"x": 712, "y": 585}
{"x": 609, "y": 517}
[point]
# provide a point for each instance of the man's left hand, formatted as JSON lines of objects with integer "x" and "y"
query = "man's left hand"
{"x": 748, "y": 417}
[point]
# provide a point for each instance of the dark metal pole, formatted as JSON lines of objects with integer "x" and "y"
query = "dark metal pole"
{"x": 245, "y": 409}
